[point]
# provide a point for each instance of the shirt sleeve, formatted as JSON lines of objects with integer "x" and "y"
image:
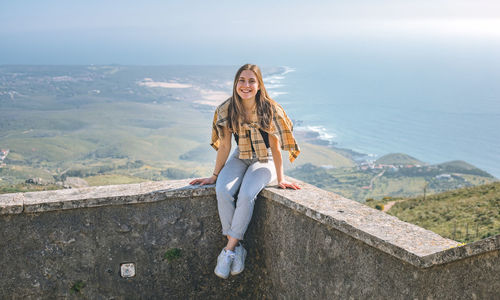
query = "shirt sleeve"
{"x": 282, "y": 128}
{"x": 219, "y": 121}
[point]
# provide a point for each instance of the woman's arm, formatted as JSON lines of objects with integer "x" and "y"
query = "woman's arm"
{"x": 278, "y": 163}
{"x": 222, "y": 154}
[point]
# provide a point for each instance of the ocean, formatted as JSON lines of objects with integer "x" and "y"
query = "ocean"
{"x": 436, "y": 106}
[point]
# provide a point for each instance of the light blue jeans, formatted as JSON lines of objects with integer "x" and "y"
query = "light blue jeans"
{"x": 238, "y": 184}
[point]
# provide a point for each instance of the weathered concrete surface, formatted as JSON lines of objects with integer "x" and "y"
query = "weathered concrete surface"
{"x": 11, "y": 204}
{"x": 307, "y": 259}
{"x": 301, "y": 244}
{"x": 99, "y": 196}
{"x": 387, "y": 233}
{"x": 44, "y": 254}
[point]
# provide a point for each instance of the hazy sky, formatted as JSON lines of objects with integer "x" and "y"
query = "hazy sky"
{"x": 227, "y": 32}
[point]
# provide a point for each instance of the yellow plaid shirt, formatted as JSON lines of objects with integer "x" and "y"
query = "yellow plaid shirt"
{"x": 249, "y": 134}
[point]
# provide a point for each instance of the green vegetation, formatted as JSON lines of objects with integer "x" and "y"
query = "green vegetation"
{"x": 99, "y": 124}
{"x": 358, "y": 184}
{"x": 462, "y": 167}
{"x": 172, "y": 254}
{"x": 345, "y": 181}
{"x": 78, "y": 286}
{"x": 19, "y": 173}
{"x": 398, "y": 159}
{"x": 320, "y": 155}
{"x": 24, "y": 187}
{"x": 465, "y": 215}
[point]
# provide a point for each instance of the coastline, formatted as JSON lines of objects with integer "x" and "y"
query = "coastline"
{"x": 278, "y": 83}
{"x": 315, "y": 135}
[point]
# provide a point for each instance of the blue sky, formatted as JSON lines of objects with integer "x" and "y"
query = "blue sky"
{"x": 226, "y": 32}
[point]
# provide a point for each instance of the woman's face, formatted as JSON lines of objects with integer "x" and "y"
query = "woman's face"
{"x": 247, "y": 86}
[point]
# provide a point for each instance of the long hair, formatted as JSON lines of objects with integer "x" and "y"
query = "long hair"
{"x": 262, "y": 99}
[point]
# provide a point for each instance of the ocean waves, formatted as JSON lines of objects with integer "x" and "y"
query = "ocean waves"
{"x": 274, "y": 81}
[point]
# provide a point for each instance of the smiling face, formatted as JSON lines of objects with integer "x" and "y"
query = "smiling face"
{"x": 247, "y": 85}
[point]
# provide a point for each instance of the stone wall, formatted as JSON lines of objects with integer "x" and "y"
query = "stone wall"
{"x": 305, "y": 257}
{"x": 301, "y": 245}
{"x": 72, "y": 243}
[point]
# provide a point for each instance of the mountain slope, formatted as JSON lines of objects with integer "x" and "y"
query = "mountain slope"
{"x": 398, "y": 159}
{"x": 466, "y": 214}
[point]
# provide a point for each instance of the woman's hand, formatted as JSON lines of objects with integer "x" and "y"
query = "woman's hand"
{"x": 203, "y": 181}
{"x": 278, "y": 163}
{"x": 285, "y": 184}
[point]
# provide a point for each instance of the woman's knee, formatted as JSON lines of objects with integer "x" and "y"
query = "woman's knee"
{"x": 246, "y": 198}
{"x": 223, "y": 194}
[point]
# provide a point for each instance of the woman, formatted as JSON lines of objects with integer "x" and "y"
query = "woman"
{"x": 260, "y": 127}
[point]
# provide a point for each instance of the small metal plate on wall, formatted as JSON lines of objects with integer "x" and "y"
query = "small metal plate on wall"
{"x": 127, "y": 270}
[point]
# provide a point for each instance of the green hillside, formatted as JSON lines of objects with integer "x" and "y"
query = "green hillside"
{"x": 99, "y": 123}
{"x": 398, "y": 159}
{"x": 462, "y": 167}
{"x": 360, "y": 184}
{"x": 318, "y": 155}
{"x": 465, "y": 215}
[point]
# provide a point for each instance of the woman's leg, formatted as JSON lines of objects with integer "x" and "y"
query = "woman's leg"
{"x": 256, "y": 177}
{"x": 226, "y": 186}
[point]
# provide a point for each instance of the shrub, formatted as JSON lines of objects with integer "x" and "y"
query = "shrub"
{"x": 78, "y": 286}
{"x": 172, "y": 254}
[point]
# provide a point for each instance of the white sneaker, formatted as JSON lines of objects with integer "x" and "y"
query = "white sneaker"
{"x": 239, "y": 260}
{"x": 224, "y": 262}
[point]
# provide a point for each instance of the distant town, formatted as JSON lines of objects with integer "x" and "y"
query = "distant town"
{"x": 394, "y": 168}
{"x": 372, "y": 165}
{"x": 3, "y": 155}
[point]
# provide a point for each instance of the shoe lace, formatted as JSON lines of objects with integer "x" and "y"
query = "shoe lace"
{"x": 229, "y": 256}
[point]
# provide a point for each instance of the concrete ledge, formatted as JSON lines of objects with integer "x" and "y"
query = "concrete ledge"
{"x": 11, "y": 204}
{"x": 34, "y": 202}
{"x": 458, "y": 253}
{"x": 407, "y": 242}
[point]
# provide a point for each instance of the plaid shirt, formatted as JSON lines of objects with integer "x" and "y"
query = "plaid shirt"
{"x": 249, "y": 134}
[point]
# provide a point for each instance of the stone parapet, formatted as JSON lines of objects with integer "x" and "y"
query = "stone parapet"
{"x": 33, "y": 202}
{"x": 302, "y": 243}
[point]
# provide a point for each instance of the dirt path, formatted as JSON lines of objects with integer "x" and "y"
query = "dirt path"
{"x": 390, "y": 204}
{"x": 373, "y": 179}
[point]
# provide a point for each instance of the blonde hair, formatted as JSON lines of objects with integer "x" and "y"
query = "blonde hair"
{"x": 262, "y": 99}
